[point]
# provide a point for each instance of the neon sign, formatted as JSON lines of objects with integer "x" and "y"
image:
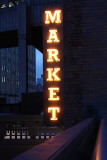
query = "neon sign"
{"x": 53, "y": 60}
{"x": 56, "y": 18}
{"x": 54, "y": 111}
{"x": 52, "y": 94}
{"x": 53, "y": 36}
{"x": 52, "y": 74}
{"x": 53, "y": 55}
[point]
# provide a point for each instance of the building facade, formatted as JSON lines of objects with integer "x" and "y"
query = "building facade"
{"x": 39, "y": 84}
{"x": 9, "y": 74}
{"x": 85, "y": 57}
{"x": 31, "y": 69}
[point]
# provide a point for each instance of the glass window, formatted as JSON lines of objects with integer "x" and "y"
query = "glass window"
{"x": 4, "y": 79}
{"x": 2, "y": 68}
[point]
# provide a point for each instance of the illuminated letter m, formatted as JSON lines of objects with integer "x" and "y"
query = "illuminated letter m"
{"x": 55, "y": 18}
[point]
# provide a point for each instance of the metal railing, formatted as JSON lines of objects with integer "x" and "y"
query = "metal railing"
{"x": 19, "y": 129}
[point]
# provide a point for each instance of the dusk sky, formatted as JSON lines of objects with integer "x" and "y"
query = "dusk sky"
{"x": 39, "y": 64}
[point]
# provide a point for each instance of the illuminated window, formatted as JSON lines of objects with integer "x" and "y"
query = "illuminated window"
{"x": 53, "y": 36}
{"x": 52, "y": 94}
{"x": 11, "y": 4}
{"x": 52, "y": 74}
{"x": 2, "y": 68}
{"x": 56, "y": 17}
{"x": 3, "y": 6}
{"x": 52, "y": 55}
{"x": 54, "y": 111}
{"x": 18, "y": 83}
{"x": 4, "y": 79}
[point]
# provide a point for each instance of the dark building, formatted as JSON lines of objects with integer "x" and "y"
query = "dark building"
{"x": 39, "y": 84}
{"x": 31, "y": 69}
{"x": 9, "y": 74}
{"x": 85, "y": 67}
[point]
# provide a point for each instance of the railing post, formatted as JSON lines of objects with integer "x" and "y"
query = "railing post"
{"x": 32, "y": 129}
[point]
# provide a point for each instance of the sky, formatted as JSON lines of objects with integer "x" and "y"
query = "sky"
{"x": 39, "y": 64}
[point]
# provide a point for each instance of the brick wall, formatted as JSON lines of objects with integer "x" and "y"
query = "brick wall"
{"x": 85, "y": 59}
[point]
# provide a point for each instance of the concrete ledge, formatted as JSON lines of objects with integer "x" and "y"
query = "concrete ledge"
{"x": 68, "y": 145}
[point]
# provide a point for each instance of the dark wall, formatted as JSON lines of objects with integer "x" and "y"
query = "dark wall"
{"x": 10, "y": 108}
{"x": 85, "y": 59}
{"x": 32, "y": 103}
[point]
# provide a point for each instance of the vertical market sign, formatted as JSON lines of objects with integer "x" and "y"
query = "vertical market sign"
{"x": 53, "y": 64}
